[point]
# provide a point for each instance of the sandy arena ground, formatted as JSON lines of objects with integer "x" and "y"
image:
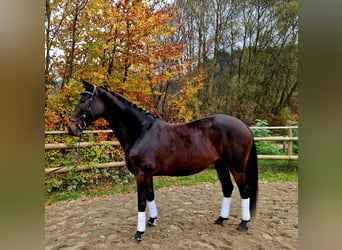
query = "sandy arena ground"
{"x": 185, "y": 220}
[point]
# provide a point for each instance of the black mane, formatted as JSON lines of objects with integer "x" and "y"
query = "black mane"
{"x": 129, "y": 103}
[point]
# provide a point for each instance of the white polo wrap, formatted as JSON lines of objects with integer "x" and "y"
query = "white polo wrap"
{"x": 141, "y": 222}
{"x": 225, "y": 207}
{"x": 245, "y": 209}
{"x": 153, "y": 209}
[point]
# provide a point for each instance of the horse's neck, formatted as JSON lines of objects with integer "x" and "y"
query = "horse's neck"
{"x": 126, "y": 121}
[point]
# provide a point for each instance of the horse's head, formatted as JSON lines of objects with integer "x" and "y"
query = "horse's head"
{"x": 89, "y": 108}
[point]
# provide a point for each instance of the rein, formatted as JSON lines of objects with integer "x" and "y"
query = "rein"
{"x": 82, "y": 125}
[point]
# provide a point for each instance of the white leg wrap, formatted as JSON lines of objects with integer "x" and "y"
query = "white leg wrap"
{"x": 141, "y": 221}
{"x": 153, "y": 209}
{"x": 245, "y": 209}
{"x": 225, "y": 207}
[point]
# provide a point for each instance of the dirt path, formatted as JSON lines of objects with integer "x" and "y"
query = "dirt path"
{"x": 186, "y": 216}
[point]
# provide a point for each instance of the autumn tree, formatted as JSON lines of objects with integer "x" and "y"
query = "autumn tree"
{"x": 124, "y": 45}
{"x": 244, "y": 52}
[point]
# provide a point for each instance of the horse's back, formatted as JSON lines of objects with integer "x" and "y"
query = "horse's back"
{"x": 229, "y": 122}
{"x": 224, "y": 126}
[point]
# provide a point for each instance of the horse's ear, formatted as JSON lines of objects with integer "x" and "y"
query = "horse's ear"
{"x": 87, "y": 85}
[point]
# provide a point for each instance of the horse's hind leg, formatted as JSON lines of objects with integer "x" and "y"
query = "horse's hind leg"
{"x": 227, "y": 189}
{"x": 152, "y": 205}
{"x": 240, "y": 180}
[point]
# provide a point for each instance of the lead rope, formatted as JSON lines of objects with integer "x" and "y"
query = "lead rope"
{"x": 78, "y": 151}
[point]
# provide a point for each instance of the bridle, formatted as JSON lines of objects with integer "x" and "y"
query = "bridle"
{"x": 82, "y": 125}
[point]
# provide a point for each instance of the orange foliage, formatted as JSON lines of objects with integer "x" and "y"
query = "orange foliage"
{"x": 123, "y": 45}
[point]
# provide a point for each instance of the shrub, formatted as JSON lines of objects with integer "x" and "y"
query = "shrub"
{"x": 74, "y": 180}
{"x": 264, "y": 147}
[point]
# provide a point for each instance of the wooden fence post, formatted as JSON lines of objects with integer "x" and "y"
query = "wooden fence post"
{"x": 91, "y": 137}
{"x": 289, "y": 145}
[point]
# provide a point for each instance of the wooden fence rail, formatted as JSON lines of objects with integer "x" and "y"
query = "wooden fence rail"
{"x": 49, "y": 146}
{"x": 289, "y": 139}
{"x": 85, "y": 167}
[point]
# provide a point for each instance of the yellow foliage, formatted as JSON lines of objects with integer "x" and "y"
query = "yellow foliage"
{"x": 120, "y": 44}
{"x": 188, "y": 104}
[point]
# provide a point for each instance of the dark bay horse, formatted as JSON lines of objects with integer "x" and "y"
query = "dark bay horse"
{"x": 154, "y": 147}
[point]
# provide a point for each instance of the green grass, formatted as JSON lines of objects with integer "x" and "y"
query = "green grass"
{"x": 275, "y": 170}
{"x": 269, "y": 171}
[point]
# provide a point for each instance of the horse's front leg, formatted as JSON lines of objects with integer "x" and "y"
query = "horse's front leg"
{"x": 151, "y": 205}
{"x": 143, "y": 183}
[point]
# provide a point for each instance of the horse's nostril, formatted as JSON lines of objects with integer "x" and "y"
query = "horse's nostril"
{"x": 70, "y": 130}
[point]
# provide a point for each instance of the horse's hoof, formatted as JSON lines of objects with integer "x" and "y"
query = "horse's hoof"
{"x": 137, "y": 241}
{"x": 220, "y": 220}
{"x": 242, "y": 227}
{"x": 137, "y": 237}
{"x": 151, "y": 222}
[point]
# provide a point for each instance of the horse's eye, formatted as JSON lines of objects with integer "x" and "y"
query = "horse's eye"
{"x": 83, "y": 99}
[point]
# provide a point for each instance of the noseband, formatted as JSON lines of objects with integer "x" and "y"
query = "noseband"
{"x": 82, "y": 125}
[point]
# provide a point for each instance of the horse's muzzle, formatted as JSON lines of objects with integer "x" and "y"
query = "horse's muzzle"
{"x": 73, "y": 130}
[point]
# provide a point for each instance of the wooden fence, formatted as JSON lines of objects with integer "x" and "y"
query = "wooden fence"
{"x": 287, "y": 146}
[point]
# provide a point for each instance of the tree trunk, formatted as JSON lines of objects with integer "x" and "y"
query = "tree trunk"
{"x": 71, "y": 58}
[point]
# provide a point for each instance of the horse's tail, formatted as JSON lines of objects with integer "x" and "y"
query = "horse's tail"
{"x": 252, "y": 178}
